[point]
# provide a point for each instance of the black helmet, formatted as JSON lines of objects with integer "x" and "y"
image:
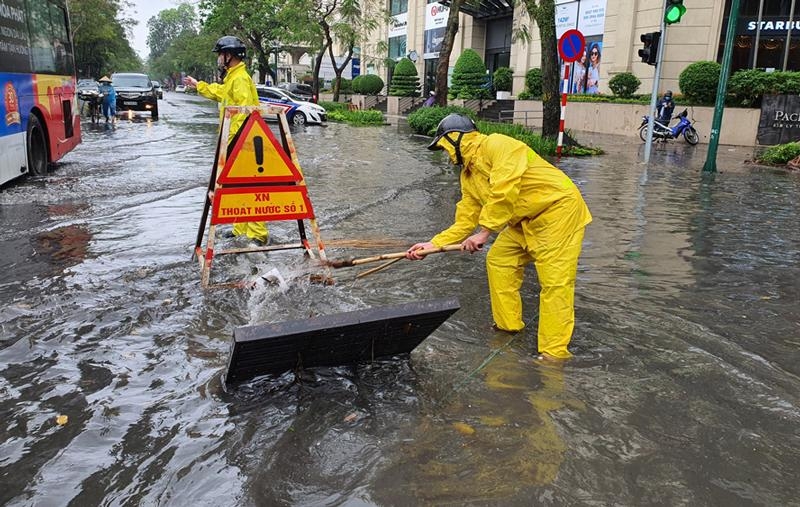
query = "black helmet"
{"x": 668, "y": 94}
{"x": 453, "y": 122}
{"x": 232, "y": 45}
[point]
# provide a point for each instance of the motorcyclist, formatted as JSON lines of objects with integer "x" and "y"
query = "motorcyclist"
{"x": 665, "y": 107}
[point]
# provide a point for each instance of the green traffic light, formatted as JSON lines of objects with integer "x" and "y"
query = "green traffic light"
{"x": 674, "y": 14}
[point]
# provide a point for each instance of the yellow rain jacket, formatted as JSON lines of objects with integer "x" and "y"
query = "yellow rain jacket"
{"x": 237, "y": 89}
{"x": 540, "y": 216}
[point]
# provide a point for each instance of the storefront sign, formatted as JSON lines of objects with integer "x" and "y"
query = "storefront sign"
{"x": 768, "y": 26}
{"x": 398, "y": 25}
{"x": 780, "y": 119}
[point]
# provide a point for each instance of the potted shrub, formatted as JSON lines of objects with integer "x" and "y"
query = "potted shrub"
{"x": 503, "y": 78}
{"x": 405, "y": 80}
{"x": 470, "y": 77}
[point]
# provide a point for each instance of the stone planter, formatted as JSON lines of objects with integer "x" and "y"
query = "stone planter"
{"x": 503, "y": 95}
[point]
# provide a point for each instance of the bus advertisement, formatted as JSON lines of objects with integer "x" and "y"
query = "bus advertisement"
{"x": 39, "y": 120}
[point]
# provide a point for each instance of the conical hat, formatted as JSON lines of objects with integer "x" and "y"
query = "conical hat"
{"x": 104, "y": 78}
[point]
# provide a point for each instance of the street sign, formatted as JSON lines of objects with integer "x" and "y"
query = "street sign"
{"x": 257, "y": 157}
{"x": 571, "y": 45}
{"x": 254, "y": 204}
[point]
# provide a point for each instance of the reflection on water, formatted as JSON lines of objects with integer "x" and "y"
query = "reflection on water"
{"x": 683, "y": 389}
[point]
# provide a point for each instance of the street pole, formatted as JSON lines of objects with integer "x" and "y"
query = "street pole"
{"x": 710, "y": 165}
{"x": 656, "y": 78}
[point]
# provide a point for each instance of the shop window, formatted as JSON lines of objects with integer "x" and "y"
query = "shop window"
{"x": 397, "y": 47}
{"x": 397, "y": 7}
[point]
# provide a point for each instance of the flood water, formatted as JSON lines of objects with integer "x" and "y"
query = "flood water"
{"x": 683, "y": 390}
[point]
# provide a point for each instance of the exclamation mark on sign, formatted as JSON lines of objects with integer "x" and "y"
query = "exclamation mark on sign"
{"x": 258, "y": 144}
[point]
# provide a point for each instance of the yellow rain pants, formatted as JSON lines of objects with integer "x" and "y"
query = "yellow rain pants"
{"x": 556, "y": 267}
{"x": 237, "y": 89}
{"x": 540, "y": 217}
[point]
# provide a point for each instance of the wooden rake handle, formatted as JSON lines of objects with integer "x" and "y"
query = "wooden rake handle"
{"x": 396, "y": 255}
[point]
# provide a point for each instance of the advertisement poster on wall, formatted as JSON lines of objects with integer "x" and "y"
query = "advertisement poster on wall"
{"x": 588, "y": 16}
{"x": 435, "y": 24}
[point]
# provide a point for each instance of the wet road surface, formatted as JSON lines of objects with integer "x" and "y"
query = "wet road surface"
{"x": 684, "y": 388}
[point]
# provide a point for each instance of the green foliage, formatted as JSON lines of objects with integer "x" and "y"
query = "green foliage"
{"x": 698, "y": 81}
{"x": 503, "y": 79}
{"x": 346, "y": 85}
{"x": 613, "y": 99}
{"x": 169, "y": 24}
{"x": 425, "y": 120}
{"x": 100, "y": 41}
{"x": 367, "y": 84}
{"x": 747, "y": 87}
{"x": 469, "y": 77}
{"x": 334, "y": 106}
{"x": 542, "y": 146}
{"x": 780, "y": 154}
{"x": 624, "y": 84}
{"x": 358, "y": 118}
{"x": 533, "y": 82}
{"x": 405, "y": 80}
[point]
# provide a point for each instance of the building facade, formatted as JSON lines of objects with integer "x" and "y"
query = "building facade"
{"x": 767, "y": 36}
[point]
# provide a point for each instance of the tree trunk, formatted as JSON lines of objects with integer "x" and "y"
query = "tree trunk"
{"x": 444, "y": 54}
{"x": 317, "y": 67}
{"x": 337, "y": 83}
{"x": 543, "y": 13}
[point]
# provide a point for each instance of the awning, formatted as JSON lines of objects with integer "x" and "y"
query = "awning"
{"x": 485, "y": 9}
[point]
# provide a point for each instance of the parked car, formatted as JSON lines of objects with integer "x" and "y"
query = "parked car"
{"x": 85, "y": 85}
{"x": 135, "y": 92}
{"x": 180, "y": 89}
{"x": 300, "y": 112}
{"x": 159, "y": 91}
{"x": 303, "y": 91}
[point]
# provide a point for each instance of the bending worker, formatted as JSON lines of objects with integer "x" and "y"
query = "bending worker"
{"x": 538, "y": 215}
{"x": 237, "y": 89}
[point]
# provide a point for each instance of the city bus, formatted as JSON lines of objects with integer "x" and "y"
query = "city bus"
{"x": 39, "y": 122}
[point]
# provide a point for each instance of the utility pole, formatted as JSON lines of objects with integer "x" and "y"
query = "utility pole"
{"x": 654, "y": 94}
{"x": 710, "y": 165}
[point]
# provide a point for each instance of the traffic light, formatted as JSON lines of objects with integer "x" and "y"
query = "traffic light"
{"x": 675, "y": 10}
{"x": 649, "y": 53}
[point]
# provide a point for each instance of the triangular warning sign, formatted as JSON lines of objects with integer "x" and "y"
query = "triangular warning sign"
{"x": 257, "y": 157}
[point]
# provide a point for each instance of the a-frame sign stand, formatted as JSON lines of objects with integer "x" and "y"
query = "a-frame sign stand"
{"x": 260, "y": 180}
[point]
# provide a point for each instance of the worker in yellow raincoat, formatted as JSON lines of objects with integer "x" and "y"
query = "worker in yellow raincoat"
{"x": 237, "y": 89}
{"x": 538, "y": 215}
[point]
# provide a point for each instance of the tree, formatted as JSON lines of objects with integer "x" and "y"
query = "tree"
{"x": 167, "y": 26}
{"x": 543, "y": 13}
{"x": 258, "y": 22}
{"x": 450, "y": 32}
{"x": 100, "y": 37}
{"x": 345, "y": 21}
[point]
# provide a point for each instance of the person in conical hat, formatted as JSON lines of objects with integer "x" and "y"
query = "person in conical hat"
{"x": 109, "y": 98}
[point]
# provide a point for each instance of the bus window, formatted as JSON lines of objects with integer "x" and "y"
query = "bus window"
{"x": 51, "y": 52}
{"x": 61, "y": 44}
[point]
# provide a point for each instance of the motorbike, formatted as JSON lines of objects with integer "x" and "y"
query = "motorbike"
{"x": 94, "y": 101}
{"x": 664, "y": 133}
